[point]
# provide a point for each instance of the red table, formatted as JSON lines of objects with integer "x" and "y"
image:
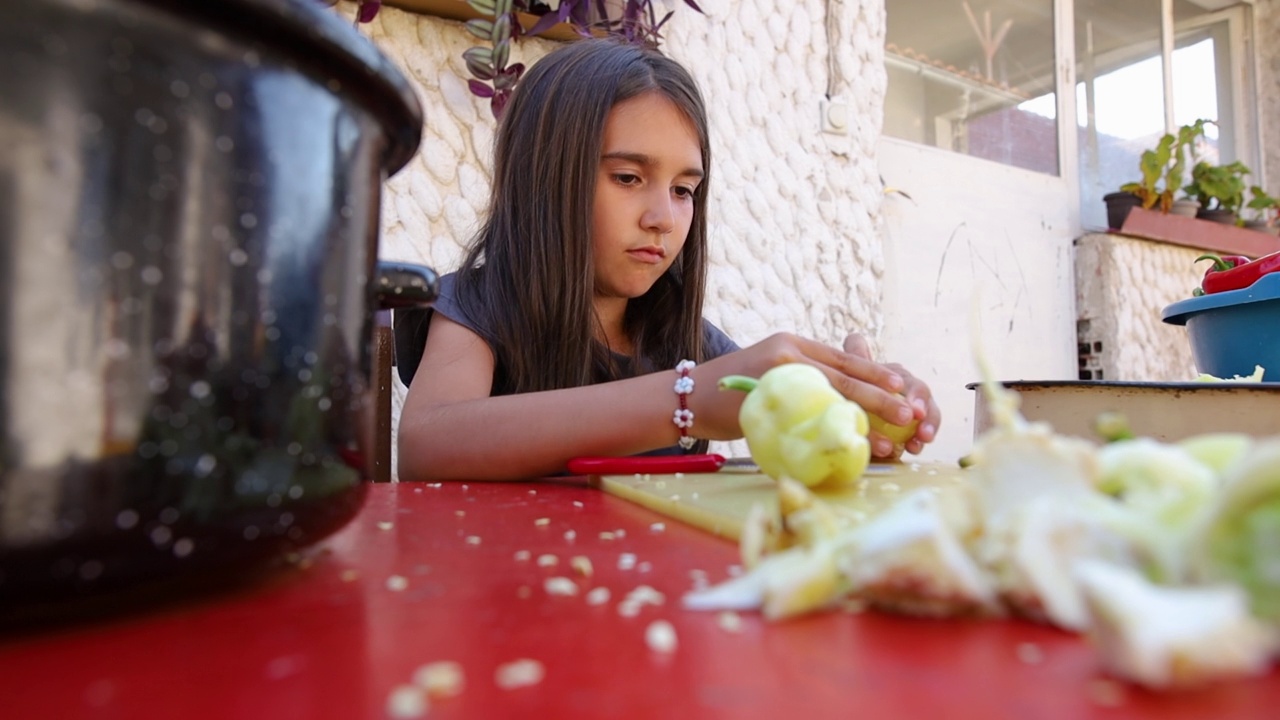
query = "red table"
{"x": 329, "y": 639}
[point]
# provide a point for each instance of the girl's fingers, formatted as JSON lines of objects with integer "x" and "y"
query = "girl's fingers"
{"x": 885, "y": 390}
{"x": 857, "y": 345}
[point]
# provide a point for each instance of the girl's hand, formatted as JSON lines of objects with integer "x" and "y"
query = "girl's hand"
{"x": 886, "y": 390}
{"x": 917, "y": 396}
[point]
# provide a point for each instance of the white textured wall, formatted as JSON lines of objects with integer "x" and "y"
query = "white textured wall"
{"x": 1122, "y": 285}
{"x": 978, "y": 256}
{"x": 794, "y": 212}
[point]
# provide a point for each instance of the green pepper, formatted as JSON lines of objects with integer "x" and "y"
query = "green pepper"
{"x": 798, "y": 426}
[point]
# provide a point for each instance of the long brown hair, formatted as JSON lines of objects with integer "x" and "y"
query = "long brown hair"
{"x": 527, "y": 279}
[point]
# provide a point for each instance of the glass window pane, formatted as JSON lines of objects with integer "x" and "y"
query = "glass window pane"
{"x": 971, "y": 76}
{"x": 1120, "y": 94}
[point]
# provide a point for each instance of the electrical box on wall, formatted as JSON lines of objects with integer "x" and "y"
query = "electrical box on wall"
{"x": 835, "y": 115}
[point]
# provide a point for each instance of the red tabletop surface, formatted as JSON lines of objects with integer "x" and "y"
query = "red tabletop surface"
{"x": 329, "y": 639}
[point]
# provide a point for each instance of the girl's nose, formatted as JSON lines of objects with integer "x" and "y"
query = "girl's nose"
{"x": 659, "y": 215}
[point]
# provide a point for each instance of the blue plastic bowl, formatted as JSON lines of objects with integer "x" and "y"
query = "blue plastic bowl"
{"x": 1231, "y": 332}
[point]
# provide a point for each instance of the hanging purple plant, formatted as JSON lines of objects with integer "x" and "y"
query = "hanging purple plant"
{"x": 491, "y": 77}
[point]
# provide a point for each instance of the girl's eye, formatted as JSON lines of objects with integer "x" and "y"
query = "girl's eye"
{"x": 626, "y": 178}
{"x": 684, "y": 192}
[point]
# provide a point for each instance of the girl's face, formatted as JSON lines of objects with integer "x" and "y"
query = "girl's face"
{"x": 650, "y": 164}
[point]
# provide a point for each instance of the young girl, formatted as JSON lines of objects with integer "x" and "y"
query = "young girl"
{"x": 567, "y": 327}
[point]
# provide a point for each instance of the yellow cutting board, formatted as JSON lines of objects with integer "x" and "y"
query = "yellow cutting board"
{"x": 719, "y": 502}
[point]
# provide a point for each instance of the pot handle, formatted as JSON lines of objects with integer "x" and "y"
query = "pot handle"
{"x": 405, "y": 285}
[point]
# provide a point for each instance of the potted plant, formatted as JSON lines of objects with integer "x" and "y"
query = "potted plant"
{"x": 1220, "y": 190}
{"x": 1265, "y": 211}
{"x": 634, "y": 20}
{"x": 1162, "y": 169}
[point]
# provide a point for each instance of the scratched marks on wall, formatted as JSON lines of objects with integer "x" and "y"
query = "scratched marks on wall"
{"x": 996, "y": 279}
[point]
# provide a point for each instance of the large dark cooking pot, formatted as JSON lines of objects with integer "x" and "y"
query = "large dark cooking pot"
{"x": 189, "y": 204}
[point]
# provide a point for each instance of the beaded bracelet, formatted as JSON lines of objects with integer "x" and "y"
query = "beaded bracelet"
{"x": 683, "y": 417}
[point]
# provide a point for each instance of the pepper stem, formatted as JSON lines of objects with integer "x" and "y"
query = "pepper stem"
{"x": 1218, "y": 263}
{"x": 738, "y": 382}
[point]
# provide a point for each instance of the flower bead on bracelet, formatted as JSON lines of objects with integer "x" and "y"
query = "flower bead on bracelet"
{"x": 683, "y": 416}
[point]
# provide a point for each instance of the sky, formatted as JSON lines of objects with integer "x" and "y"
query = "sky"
{"x": 1140, "y": 86}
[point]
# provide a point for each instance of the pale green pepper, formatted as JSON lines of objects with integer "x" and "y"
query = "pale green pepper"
{"x": 798, "y": 426}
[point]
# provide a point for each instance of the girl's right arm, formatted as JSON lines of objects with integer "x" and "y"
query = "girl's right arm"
{"x": 450, "y": 427}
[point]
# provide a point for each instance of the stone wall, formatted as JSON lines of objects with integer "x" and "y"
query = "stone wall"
{"x": 1122, "y": 285}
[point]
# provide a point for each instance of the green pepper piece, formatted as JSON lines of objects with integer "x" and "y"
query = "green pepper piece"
{"x": 797, "y": 425}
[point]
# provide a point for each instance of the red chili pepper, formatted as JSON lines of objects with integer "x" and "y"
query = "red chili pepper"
{"x": 1236, "y": 272}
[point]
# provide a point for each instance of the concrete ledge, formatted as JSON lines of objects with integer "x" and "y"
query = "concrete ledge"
{"x": 1199, "y": 234}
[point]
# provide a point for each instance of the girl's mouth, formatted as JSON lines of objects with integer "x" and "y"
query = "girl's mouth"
{"x": 648, "y": 255}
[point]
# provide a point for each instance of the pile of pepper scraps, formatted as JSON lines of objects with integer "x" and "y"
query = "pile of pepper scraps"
{"x": 1166, "y": 554}
{"x": 1234, "y": 272}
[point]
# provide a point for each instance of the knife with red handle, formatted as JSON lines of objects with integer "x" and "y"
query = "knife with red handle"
{"x": 646, "y": 464}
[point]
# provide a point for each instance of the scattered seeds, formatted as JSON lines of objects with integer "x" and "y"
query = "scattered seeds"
{"x": 385, "y": 525}
{"x": 645, "y": 566}
{"x": 396, "y": 583}
{"x": 533, "y": 492}
{"x": 645, "y": 595}
{"x": 851, "y": 606}
{"x": 547, "y": 560}
{"x": 628, "y": 609}
{"x": 523, "y": 592}
{"x": 440, "y": 679}
{"x": 581, "y": 565}
{"x": 473, "y": 539}
{"x": 460, "y": 513}
{"x": 606, "y": 536}
{"x": 349, "y": 575}
{"x": 577, "y": 503}
{"x": 523, "y": 555}
{"x": 729, "y": 621}
{"x": 407, "y": 701}
{"x": 1107, "y": 693}
{"x": 570, "y": 535}
{"x": 598, "y": 596}
{"x": 660, "y": 637}
{"x": 519, "y": 673}
{"x": 1030, "y": 653}
{"x": 542, "y": 522}
{"x": 619, "y": 533}
{"x": 626, "y": 561}
{"x": 560, "y": 585}
{"x": 657, "y": 527}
